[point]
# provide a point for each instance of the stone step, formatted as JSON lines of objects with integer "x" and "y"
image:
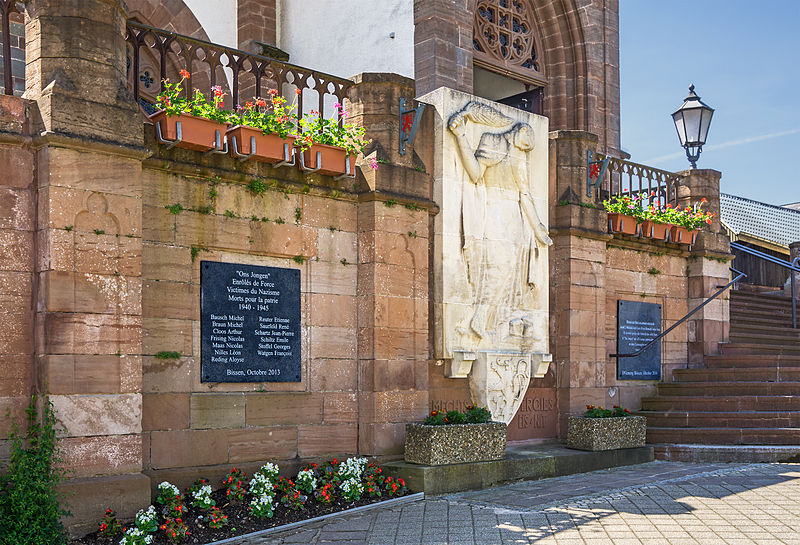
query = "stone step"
{"x": 764, "y": 311}
{"x": 738, "y": 374}
{"x": 790, "y": 340}
{"x": 722, "y": 403}
{"x": 727, "y": 453}
{"x": 763, "y": 327}
{"x": 720, "y": 419}
{"x": 725, "y": 436}
{"x": 759, "y": 349}
{"x": 739, "y": 295}
{"x": 726, "y": 389}
{"x": 771, "y": 320}
{"x": 522, "y": 462}
{"x": 750, "y": 360}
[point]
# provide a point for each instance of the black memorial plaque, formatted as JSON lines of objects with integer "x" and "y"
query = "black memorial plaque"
{"x": 637, "y": 324}
{"x": 249, "y": 323}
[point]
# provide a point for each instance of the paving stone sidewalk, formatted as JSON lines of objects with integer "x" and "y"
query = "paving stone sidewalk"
{"x": 658, "y": 503}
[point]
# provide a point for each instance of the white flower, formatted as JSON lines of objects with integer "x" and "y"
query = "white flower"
{"x": 168, "y": 487}
{"x": 270, "y": 471}
{"x": 353, "y": 467}
{"x": 261, "y": 485}
{"x": 306, "y": 480}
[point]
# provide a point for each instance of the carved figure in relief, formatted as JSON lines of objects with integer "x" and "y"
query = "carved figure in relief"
{"x": 501, "y": 231}
{"x": 508, "y": 380}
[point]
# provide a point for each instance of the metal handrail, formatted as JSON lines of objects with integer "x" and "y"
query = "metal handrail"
{"x": 679, "y": 322}
{"x": 793, "y": 266}
{"x": 199, "y": 56}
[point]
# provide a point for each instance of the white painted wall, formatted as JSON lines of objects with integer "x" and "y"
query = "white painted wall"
{"x": 219, "y": 19}
{"x": 347, "y": 37}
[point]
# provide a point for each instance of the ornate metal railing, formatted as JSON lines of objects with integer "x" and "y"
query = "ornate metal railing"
{"x": 156, "y": 54}
{"x": 7, "y": 7}
{"x": 611, "y": 176}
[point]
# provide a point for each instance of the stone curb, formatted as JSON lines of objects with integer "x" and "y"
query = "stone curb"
{"x": 276, "y": 529}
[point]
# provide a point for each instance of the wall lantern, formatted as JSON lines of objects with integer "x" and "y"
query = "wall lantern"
{"x": 692, "y": 120}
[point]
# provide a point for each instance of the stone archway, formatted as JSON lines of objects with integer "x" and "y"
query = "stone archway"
{"x": 176, "y": 18}
{"x": 578, "y": 58}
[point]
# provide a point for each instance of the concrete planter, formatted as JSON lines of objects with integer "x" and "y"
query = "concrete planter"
{"x": 455, "y": 443}
{"x": 606, "y": 433}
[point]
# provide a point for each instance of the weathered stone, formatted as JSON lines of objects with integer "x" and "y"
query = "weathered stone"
{"x": 455, "y": 443}
{"x": 217, "y": 410}
{"x": 606, "y": 433}
{"x": 89, "y": 415}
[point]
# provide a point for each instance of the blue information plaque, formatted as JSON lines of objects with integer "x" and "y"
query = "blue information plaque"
{"x": 249, "y": 323}
{"x": 637, "y": 324}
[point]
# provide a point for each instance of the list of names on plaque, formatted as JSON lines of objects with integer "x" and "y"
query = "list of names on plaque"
{"x": 637, "y": 324}
{"x": 250, "y": 323}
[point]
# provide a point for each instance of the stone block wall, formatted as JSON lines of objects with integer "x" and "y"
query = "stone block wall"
{"x": 17, "y": 263}
{"x": 593, "y": 269}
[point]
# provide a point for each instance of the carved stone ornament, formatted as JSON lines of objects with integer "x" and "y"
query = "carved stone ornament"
{"x": 504, "y": 39}
{"x": 490, "y": 246}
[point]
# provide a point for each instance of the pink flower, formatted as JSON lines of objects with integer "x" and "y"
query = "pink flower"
{"x": 373, "y": 163}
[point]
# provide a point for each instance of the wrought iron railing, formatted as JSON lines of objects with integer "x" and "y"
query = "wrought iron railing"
{"x": 7, "y": 7}
{"x": 156, "y": 54}
{"x": 610, "y": 176}
{"x": 793, "y": 266}
{"x": 657, "y": 338}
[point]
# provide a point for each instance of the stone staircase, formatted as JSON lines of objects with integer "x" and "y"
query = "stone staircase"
{"x": 745, "y": 405}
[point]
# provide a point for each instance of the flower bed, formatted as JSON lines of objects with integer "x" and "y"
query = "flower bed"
{"x": 242, "y": 506}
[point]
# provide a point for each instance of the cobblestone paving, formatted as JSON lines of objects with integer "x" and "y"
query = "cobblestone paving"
{"x": 651, "y": 504}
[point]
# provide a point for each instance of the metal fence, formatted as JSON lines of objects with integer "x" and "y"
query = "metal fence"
{"x": 156, "y": 54}
{"x": 613, "y": 177}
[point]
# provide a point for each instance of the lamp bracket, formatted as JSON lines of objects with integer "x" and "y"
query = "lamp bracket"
{"x": 590, "y": 181}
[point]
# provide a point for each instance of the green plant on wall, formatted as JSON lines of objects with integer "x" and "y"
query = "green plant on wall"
{"x": 165, "y": 355}
{"x": 257, "y": 187}
{"x": 29, "y": 501}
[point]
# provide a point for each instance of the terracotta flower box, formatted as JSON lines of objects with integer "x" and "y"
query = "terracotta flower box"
{"x": 622, "y": 223}
{"x": 197, "y": 133}
{"x": 269, "y": 148}
{"x": 455, "y": 443}
{"x": 595, "y": 434}
{"x": 656, "y": 231}
{"x": 333, "y": 161}
{"x": 682, "y": 235}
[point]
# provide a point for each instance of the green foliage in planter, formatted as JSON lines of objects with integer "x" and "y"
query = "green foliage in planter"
{"x": 477, "y": 415}
{"x": 471, "y": 415}
{"x": 28, "y": 498}
{"x": 600, "y": 412}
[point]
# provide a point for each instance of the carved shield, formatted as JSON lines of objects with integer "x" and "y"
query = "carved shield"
{"x": 498, "y": 381}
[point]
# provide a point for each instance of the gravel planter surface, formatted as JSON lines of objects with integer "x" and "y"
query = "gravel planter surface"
{"x": 239, "y": 520}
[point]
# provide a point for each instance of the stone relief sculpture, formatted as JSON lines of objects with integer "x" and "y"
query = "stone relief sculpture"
{"x": 500, "y": 228}
{"x": 490, "y": 248}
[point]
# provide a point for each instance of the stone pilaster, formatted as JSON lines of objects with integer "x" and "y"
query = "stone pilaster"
{"x": 393, "y": 239}
{"x": 708, "y": 267}
{"x": 577, "y": 278}
{"x": 87, "y": 135}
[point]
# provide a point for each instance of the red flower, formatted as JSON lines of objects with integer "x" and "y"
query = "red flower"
{"x": 184, "y": 74}
{"x": 261, "y": 102}
{"x": 249, "y": 105}
{"x": 297, "y": 91}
